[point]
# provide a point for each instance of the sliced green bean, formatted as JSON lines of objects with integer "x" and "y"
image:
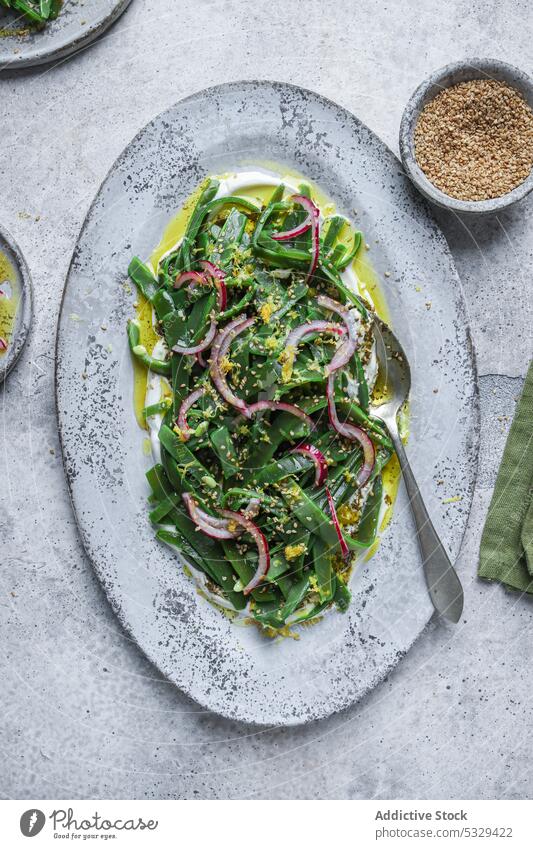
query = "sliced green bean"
{"x": 325, "y": 575}
{"x": 348, "y": 256}
{"x": 193, "y": 227}
{"x": 143, "y": 278}
{"x": 134, "y": 337}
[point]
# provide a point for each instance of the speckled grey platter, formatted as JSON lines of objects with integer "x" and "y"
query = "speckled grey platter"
{"x": 232, "y": 669}
{"x": 22, "y": 324}
{"x": 78, "y": 24}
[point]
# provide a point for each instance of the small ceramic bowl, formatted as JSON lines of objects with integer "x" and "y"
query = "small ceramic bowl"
{"x": 21, "y": 283}
{"x": 458, "y": 72}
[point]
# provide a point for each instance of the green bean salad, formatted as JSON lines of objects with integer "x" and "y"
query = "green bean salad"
{"x": 269, "y": 459}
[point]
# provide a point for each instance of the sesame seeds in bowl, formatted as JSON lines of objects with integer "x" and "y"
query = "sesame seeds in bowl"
{"x": 466, "y": 137}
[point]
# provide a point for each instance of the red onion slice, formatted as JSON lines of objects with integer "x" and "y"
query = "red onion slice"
{"x": 342, "y": 542}
{"x": 252, "y": 508}
{"x": 3, "y": 344}
{"x": 218, "y": 277}
{"x": 351, "y": 431}
{"x": 345, "y": 352}
{"x": 294, "y": 233}
{"x": 221, "y": 346}
{"x": 212, "y": 269}
{"x": 210, "y": 274}
{"x": 188, "y": 277}
{"x": 200, "y": 360}
{"x": 262, "y": 546}
{"x": 210, "y": 525}
{"x": 205, "y": 343}
{"x": 286, "y": 408}
{"x": 186, "y": 404}
{"x": 296, "y": 335}
{"x": 321, "y": 466}
{"x": 311, "y": 210}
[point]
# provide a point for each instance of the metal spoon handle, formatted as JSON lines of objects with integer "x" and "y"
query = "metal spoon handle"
{"x": 444, "y": 586}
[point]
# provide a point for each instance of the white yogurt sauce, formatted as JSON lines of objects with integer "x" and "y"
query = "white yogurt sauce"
{"x": 154, "y": 394}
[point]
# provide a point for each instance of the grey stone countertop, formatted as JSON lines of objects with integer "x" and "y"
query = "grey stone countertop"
{"x": 83, "y": 713}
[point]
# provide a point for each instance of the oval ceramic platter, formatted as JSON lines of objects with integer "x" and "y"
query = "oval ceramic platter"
{"x": 77, "y": 25}
{"x": 228, "y": 668}
{"x": 15, "y": 303}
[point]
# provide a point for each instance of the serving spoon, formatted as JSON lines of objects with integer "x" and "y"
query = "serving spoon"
{"x": 444, "y": 586}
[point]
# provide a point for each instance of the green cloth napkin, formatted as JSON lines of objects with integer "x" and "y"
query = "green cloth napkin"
{"x": 506, "y": 551}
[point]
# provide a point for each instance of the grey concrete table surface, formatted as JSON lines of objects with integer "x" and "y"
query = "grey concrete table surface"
{"x": 83, "y": 714}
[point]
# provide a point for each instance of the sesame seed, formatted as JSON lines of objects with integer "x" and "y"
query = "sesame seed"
{"x": 474, "y": 140}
